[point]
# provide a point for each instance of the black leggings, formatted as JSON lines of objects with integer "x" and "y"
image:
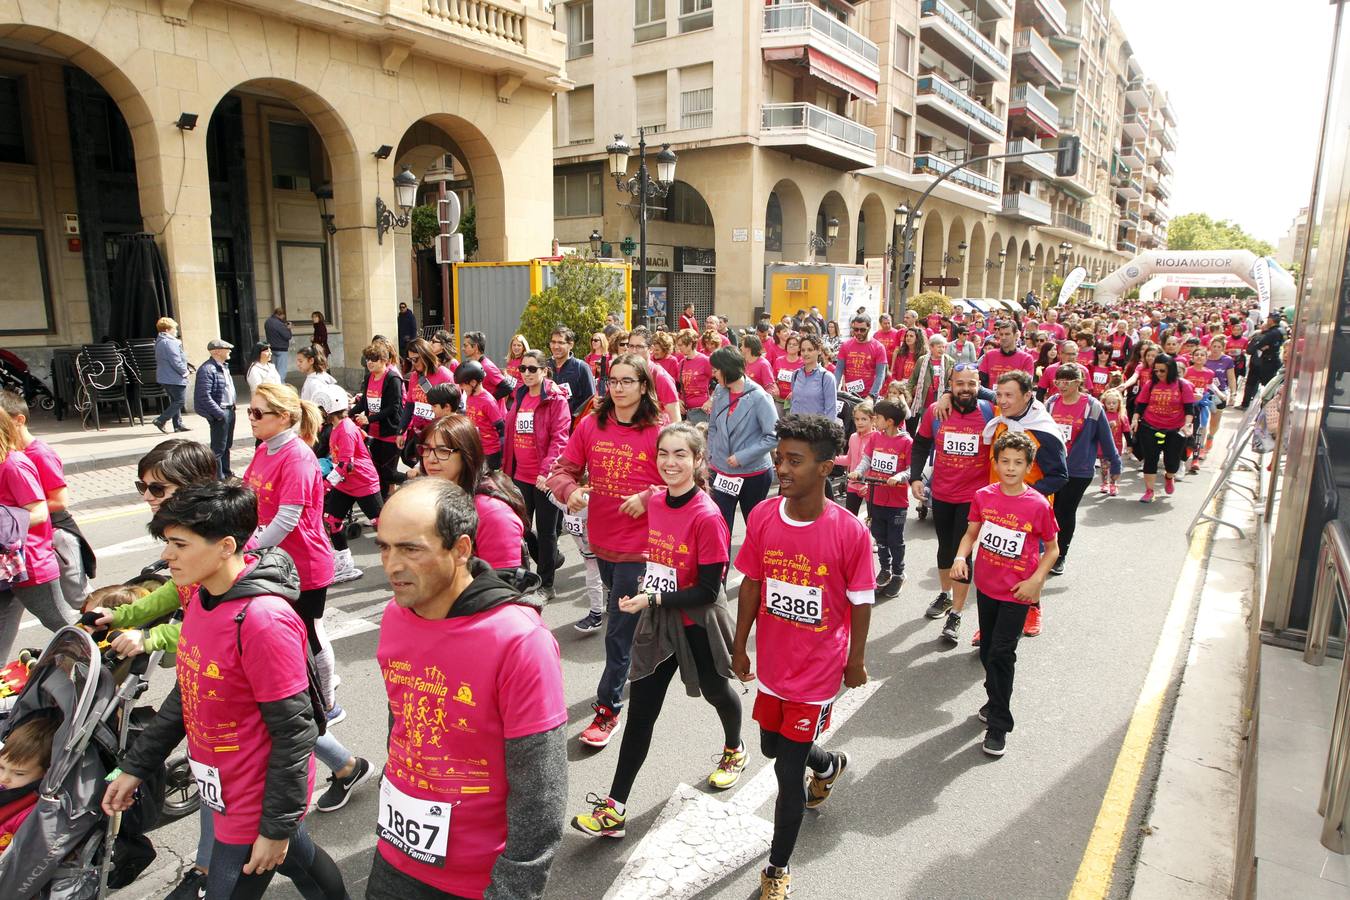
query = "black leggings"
{"x": 310, "y": 606}
{"x": 646, "y": 695}
{"x": 1066, "y": 503}
{"x": 1153, "y": 442}
{"x": 384, "y": 454}
{"x": 853, "y": 502}
{"x": 950, "y": 521}
{"x": 337, "y": 505}
{"x": 790, "y": 762}
{"x": 313, "y": 872}
{"x": 545, "y": 516}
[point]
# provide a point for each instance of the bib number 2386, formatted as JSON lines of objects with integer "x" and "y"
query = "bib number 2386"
{"x": 419, "y": 829}
{"x": 208, "y": 785}
{"x": 794, "y": 602}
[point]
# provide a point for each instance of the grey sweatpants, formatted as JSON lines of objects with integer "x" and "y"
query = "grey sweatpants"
{"x": 42, "y": 600}
{"x": 74, "y": 583}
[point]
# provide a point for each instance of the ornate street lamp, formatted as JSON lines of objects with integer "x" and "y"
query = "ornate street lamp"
{"x": 642, "y": 187}
{"x": 405, "y": 197}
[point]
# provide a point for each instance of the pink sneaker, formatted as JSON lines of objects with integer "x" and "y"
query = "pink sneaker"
{"x": 1113, "y": 489}
{"x": 602, "y": 727}
{"x": 1105, "y": 488}
{"x": 1147, "y": 498}
{"x": 1169, "y": 485}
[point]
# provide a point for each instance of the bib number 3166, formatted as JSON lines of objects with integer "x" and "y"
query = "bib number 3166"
{"x": 419, "y": 829}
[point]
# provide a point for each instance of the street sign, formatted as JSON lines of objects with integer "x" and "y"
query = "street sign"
{"x": 939, "y": 282}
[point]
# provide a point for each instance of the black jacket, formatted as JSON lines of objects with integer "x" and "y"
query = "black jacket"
{"x": 386, "y": 422}
{"x": 289, "y": 722}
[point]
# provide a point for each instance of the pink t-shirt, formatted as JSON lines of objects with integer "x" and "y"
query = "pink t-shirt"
{"x": 221, "y": 691}
{"x": 347, "y": 448}
{"x": 671, "y": 366}
{"x": 1069, "y": 417}
{"x": 500, "y": 531}
{"x": 459, "y": 688}
{"x": 960, "y": 454}
{"x": 811, "y": 574}
{"x": 849, "y": 460}
{"x": 889, "y": 339}
{"x": 1166, "y": 403}
{"x": 289, "y": 477}
{"x": 1098, "y": 377}
{"x": 484, "y": 411}
{"x": 621, "y": 461}
{"x": 996, "y": 362}
{"x": 1054, "y": 329}
{"x": 761, "y": 373}
{"x": 51, "y": 471}
{"x": 683, "y": 539}
{"x": 665, "y": 386}
{"x": 1008, "y": 548}
{"x": 783, "y": 370}
{"x": 888, "y": 455}
{"x": 19, "y": 486}
{"x": 525, "y": 442}
{"x": 695, "y": 375}
{"x": 374, "y": 403}
{"x": 415, "y": 395}
{"x": 860, "y": 359}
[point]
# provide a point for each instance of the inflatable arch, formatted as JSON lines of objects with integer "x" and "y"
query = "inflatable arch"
{"x": 1273, "y": 285}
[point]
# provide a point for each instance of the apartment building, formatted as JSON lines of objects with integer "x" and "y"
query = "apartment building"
{"x": 794, "y": 121}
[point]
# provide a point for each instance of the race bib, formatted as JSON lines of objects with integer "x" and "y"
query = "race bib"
{"x": 1002, "y": 541}
{"x": 423, "y": 411}
{"x": 564, "y": 389}
{"x": 955, "y": 444}
{"x": 884, "y": 463}
{"x": 525, "y": 423}
{"x": 1066, "y": 433}
{"x": 1100, "y": 377}
{"x": 373, "y": 404}
{"x": 658, "y": 579}
{"x": 838, "y": 408}
{"x": 574, "y": 525}
{"x": 728, "y": 484}
{"x": 785, "y": 375}
{"x": 208, "y": 785}
{"x": 855, "y": 386}
{"x": 419, "y": 829}
{"x": 334, "y": 477}
{"x": 794, "y": 602}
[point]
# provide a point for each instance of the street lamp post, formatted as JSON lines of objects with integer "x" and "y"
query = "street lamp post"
{"x": 1064, "y": 248}
{"x": 903, "y": 256}
{"x": 642, "y": 187}
{"x": 818, "y": 242}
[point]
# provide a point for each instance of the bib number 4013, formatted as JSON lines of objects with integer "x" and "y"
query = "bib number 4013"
{"x": 419, "y": 829}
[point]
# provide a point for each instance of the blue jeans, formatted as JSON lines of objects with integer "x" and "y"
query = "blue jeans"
{"x": 309, "y": 868}
{"x": 222, "y": 440}
{"x": 621, "y": 580}
{"x": 888, "y": 528}
{"x": 177, "y": 400}
{"x": 330, "y": 752}
{"x": 282, "y": 360}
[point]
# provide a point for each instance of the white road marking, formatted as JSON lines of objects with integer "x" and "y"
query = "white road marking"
{"x": 136, "y": 545}
{"x": 698, "y": 840}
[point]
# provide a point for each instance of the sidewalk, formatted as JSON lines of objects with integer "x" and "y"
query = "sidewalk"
{"x": 120, "y": 444}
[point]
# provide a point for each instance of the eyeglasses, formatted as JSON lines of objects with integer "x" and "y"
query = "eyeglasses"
{"x": 631, "y": 346}
{"x": 624, "y": 382}
{"x": 861, "y": 329}
{"x": 442, "y": 454}
{"x": 595, "y": 340}
{"x": 530, "y": 370}
{"x": 966, "y": 367}
{"x": 155, "y": 488}
{"x": 257, "y": 414}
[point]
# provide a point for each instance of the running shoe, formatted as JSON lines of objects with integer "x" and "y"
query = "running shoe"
{"x": 603, "y": 821}
{"x": 1114, "y": 491}
{"x": 1147, "y": 498}
{"x": 883, "y": 578}
{"x": 545, "y": 593}
{"x": 975, "y": 641}
{"x": 1209, "y": 443}
{"x": 952, "y": 630}
{"x": 1194, "y": 468}
{"x": 336, "y": 716}
{"x": 939, "y": 606}
{"x": 192, "y": 887}
{"x": 340, "y": 789}
{"x": 591, "y": 624}
{"x": 1104, "y": 489}
{"x": 602, "y": 727}
{"x": 775, "y": 884}
{"x": 983, "y": 714}
{"x": 1033, "y": 623}
{"x": 1169, "y": 485}
{"x": 892, "y": 587}
{"x": 995, "y": 742}
{"x": 1058, "y": 567}
{"x": 923, "y": 512}
{"x": 817, "y": 788}
{"x": 730, "y": 765}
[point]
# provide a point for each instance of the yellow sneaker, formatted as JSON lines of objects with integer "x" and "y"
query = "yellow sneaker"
{"x": 775, "y": 887}
{"x": 604, "y": 820}
{"x": 729, "y": 768}
{"x": 817, "y": 788}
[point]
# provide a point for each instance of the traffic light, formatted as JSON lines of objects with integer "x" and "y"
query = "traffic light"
{"x": 906, "y": 273}
{"x": 1066, "y": 161}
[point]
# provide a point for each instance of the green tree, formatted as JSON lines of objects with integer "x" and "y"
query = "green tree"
{"x": 582, "y": 294}
{"x": 425, "y": 227}
{"x": 468, "y": 226}
{"x": 929, "y": 302}
{"x": 1199, "y": 231}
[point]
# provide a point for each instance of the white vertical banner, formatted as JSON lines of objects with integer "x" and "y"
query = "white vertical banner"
{"x": 1261, "y": 275}
{"x": 1071, "y": 283}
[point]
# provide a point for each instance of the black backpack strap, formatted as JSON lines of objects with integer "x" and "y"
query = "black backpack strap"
{"x": 239, "y": 628}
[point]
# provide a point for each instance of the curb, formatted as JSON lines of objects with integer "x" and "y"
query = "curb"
{"x": 78, "y": 465}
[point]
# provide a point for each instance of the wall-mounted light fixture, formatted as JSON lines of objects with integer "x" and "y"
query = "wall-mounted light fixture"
{"x": 186, "y": 121}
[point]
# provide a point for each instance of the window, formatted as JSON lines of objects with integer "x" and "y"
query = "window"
{"x": 696, "y": 97}
{"x": 904, "y": 50}
{"x": 695, "y": 15}
{"x": 581, "y": 115}
{"x": 649, "y": 20}
{"x": 109, "y": 138}
{"x": 290, "y": 156}
{"x": 580, "y": 29}
{"x": 773, "y": 225}
{"x": 899, "y": 131}
{"x": 12, "y": 146}
{"x": 651, "y": 100}
{"x": 685, "y": 206}
{"x": 578, "y": 193}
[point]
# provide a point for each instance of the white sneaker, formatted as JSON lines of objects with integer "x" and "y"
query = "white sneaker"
{"x": 344, "y": 569}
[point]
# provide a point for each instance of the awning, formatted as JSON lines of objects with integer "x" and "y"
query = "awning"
{"x": 831, "y": 71}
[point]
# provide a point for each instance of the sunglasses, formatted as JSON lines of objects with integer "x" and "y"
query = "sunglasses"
{"x": 155, "y": 488}
{"x": 441, "y": 453}
{"x": 530, "y": 370}
{"x": 257, "y": 414}
{"x": 966, "y": 367}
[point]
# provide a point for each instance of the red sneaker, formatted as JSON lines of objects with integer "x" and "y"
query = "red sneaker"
{"x": 602, "y": 727}
{"x": 1105, "y": 488}
{"x": 1033, "y": 625}
{"x": 1113, "y": 489}
{"x": 1169, "y": 485}
{"x": 1147, "y": 498}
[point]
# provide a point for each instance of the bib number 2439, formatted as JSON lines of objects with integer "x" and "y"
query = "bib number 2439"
{"x": 419, "y": 829}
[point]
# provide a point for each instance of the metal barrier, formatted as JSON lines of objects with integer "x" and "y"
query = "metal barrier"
{"x": 1332, "y": 592}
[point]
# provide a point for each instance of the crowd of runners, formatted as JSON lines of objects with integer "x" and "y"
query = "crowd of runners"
{"x": 635, "y": 452}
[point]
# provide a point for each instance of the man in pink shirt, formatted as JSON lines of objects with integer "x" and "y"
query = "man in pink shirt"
{"x": 887, "y": 336}
{"x": 1006, "y": 357}
{"x": 1051, "y": 325}
{"x": 862, "y": 359}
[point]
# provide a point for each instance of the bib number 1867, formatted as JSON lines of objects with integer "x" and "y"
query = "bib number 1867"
{"x": 419, "y": 829}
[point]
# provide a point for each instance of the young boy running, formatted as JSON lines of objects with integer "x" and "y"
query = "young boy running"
{"x": 808, "y": 589}
{"x": 885, "y": 463}
{"x": 1008, "y": 521}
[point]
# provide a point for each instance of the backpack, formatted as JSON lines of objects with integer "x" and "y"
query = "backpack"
{"x": 311, "y": 670}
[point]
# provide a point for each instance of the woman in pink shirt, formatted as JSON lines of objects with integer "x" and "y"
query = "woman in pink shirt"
{"x": 451, "y": 449}
{"x": 352, "y": 480}
{"x": 40, "y": 590}
{"x": 515, "y": 352}
{"x": 424, "y": 373}
{"x": 1165, "y": 408}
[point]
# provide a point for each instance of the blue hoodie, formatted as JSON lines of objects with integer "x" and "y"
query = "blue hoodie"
{"x": 1094, "y": 439}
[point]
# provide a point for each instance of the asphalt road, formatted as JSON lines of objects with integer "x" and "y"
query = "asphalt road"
{"x": 922, "y": 811}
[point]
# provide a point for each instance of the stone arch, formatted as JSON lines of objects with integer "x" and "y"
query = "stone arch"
{"x": 832, "y": 205}
{"x": 471, "y": 147}
{"x": 952, "y": 261}
{"x": 874, "y": 232}
{"x": 1008, "y": 282}
{"x": 973, "y": 285}
{"x": 933, "y": 247}
{"x": 791, "y": 227}
{"x": 993, "y": 282}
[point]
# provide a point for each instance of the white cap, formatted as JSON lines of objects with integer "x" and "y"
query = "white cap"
{"x": 331, "y": 399}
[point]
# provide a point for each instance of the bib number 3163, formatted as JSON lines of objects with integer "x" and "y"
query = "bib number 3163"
{"x": 794, "y": 602}
{"x": 419, "y": 829}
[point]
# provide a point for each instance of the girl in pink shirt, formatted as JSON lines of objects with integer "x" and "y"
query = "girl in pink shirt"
{"x": 538, "y": 421}
{"x": 862, "y": 427}
{"x": 1114, "y": 405}
{"x": 352, "y": 481}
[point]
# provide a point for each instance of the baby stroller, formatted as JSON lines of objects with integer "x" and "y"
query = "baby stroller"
{"x": 16, "y": 376}
{"x": 61, "y": 850}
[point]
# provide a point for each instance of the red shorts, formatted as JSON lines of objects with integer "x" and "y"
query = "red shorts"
{"x": 801, "y": 722}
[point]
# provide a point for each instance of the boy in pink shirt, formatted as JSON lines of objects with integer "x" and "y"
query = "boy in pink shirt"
{"x": 884, "y": 465}
{"x": 483, "y": 410}
{"x": 1008, "y": 523}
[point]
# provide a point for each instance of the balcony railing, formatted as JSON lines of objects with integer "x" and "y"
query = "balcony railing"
{"x": 1024, "y": 204}
{"x": 1137, "y": 121}
{"x": 1127, "y": 246}
{"x": 778, "y": 117}
{"x": 1041, "y": 162}
{"x": 932, "y": 164}
{"x": 1072, "y": 36}
{"x": 936, "y": 85}
{"x": 1028, "y": 41}
{"x": 1069, "y": 223}
{"x": 804, "y": 17}
{"x": 1066, "y": 123}
{"x": 965, "y": 29}
{"x": 1133, "y": 154}
{"x": 1054, "y": 13}
{"x": 481, "y": 16}
{"x": 1030, "y": 97}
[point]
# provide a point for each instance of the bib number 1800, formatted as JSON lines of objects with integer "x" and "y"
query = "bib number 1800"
{"x": 419, "y": 829}
{"x": 794, "y": 602}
